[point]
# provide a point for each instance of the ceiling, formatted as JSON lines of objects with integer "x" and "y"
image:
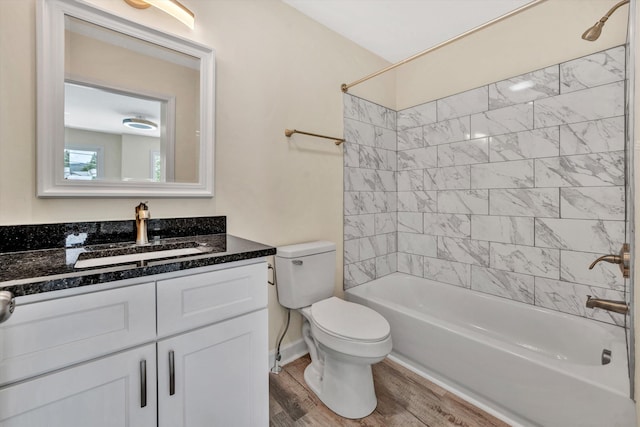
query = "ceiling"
{"x": 397, "y": 29}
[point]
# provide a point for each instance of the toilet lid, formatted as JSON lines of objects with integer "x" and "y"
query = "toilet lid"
{"x": 349, "y": 320}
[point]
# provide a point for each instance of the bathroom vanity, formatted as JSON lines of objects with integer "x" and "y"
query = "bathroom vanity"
{"x": 174, "y": 341}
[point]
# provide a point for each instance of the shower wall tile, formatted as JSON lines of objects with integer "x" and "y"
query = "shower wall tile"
{"x": 411, "y": 180}
{"x": 538, "y": 202}
{"x": 571, "y": 298}
{"x": 417, "y": 201}
{"x": 510, "y": 119}
{"x": 392, "y": 242}
{"x": 463, "y": 153}
{"x": 453, "y": 273}
{"x": 352, "y": 204}
{"x": 525, "y": 259}
{"x": 386, "y": 265}
{"x": 511, "y": 189}
{"x": 450, "y": 225}
{"x": 419, "y": 158}
{"x": 502, "y": 229}
{"x": 351, "y": 251}
{"x": 574, "y": 267}
{"x": 593, "y": 203}
{"x": 359, "y": 273}
{"x": 592, "y": 137}
{"x": 597, "y": 236}
{"x": 417, "y": 244}
{"x": 368, "y": 112}
{"x": 358, "y": 179}
{"x": 351, "y": 154}
{"x": 585, "y": 170}
{"x": 593, "y": 70}
{"x": 583, "y": 105}
{"x": 448, "y": 178}
{"x": 385, "y": 181}
{"x": 373, "y": 246}
{"x": 419, "y": 115}
{"x": 385, "y": 223}
{"x": 377, "y": 202}
{"x": 410, "y": 222}
{"x": 356, "y": 226}
{"x": 463, "y": 202}
{"x": 467, "y": 251}
{"x": 516, "y": 174}
{"x": 463, "y": 104}
{"x": 410, "y": 264}
{"x": 530, "y": 144}
{"x": 376, "y": 158}
{"x": 360, "y": 133}
{"x": 386, "y": 139}
{"x": 526, "y": 87}
{"x": 452, "y": 130}
{"x": 518, "y": 287}
{"x": 410, "y": 138}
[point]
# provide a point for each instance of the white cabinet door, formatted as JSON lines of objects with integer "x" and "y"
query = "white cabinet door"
{"x": 221, "y": 375}
{"x": 103, "y": 393}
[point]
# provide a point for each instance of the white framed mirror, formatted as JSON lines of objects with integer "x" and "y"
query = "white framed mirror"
{"x": 123, "y": 110}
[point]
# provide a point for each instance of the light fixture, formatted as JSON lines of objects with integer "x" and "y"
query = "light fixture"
{"x": 172, "y": 7}
{"x": 139, "y": 123}
{"x": 594, "y": 32}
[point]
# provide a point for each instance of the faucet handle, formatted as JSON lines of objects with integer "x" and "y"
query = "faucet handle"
{"x": 623, "y": 259}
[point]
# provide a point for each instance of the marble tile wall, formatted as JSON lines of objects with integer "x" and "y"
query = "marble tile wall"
{"x": 515, "y": 187}
{"x": 370, "y": 195}
{"x": 510, "y": 189}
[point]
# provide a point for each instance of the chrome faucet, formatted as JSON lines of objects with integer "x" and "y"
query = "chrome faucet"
{"x": 142, "y": 215}
{"x": 606, "y": 304}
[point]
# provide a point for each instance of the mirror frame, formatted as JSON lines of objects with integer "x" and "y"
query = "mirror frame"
{"x": 50, "y": 34}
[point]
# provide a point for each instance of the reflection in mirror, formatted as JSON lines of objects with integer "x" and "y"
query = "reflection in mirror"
{"x": 128, "y": 83}
{"x": 123, "y": 109}
{"x": 110, "y": 135}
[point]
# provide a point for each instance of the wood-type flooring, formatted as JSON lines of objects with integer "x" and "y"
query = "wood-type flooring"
{"x": 404, "y": 399}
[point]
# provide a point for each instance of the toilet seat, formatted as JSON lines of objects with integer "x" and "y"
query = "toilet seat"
{"x": 349, "y": 321}
{"x": 342, "y": 326}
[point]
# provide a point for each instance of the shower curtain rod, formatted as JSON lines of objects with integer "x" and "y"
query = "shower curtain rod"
{"x": 345, "y": 87}
{"x": 289, "y": 132}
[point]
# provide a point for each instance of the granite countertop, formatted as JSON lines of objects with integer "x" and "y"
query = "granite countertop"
{"x": 27, "y": 272}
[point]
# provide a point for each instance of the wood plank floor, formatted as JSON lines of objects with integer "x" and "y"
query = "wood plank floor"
{"x": 404, "y": 399}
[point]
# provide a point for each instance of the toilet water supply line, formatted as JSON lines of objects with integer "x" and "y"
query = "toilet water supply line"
{"x": 276, "y": 368}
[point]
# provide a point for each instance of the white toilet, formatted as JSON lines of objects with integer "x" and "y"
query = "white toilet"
{"x": 344, "y": 338}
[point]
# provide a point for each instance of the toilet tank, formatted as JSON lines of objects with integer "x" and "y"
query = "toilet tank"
{"x": 305, "y": 273}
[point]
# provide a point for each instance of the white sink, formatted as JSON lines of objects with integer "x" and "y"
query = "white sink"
{"x": 142, "y": 256}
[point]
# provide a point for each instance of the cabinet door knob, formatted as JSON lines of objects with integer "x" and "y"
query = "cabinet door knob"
{"x": 143, "y": 383}
{"x": 172, "y": 374}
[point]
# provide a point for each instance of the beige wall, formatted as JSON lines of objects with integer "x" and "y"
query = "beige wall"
{"x": 136, "y": 156}
{"x": 546, "y": 34}
{"x": 275, "y": 69}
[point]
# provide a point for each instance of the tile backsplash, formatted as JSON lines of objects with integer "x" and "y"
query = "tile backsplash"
{"x": 510, "y": 189}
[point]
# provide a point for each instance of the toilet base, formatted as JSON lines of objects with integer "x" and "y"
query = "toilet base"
{"x": 345, "y": 388}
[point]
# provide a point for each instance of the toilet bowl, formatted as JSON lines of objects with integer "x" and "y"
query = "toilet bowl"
{"x": 344, "y": 338}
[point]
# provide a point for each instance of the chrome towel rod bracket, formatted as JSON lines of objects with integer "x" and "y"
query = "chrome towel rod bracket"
{"x": 289, "y": 132}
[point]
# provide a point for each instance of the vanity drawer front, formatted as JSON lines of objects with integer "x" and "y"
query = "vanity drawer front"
{"x": 201, "y": 299}
{"x": 56, "y": 333}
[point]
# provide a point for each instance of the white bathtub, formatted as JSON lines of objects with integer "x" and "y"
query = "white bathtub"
{"x": 525, "y": 364}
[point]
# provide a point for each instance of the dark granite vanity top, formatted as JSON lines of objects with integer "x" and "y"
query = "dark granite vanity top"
{"x": 42, "y": 258}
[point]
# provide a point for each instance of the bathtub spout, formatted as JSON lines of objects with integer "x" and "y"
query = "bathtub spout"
{"x": 607, "y": 304}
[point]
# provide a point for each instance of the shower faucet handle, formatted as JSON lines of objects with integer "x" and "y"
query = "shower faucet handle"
{"x": 623, "y": 259}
